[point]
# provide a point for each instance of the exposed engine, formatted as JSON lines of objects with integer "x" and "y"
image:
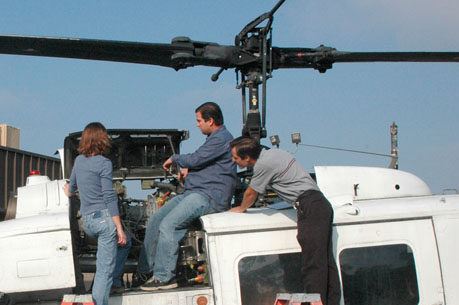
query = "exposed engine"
{"x": 191, "y": 263}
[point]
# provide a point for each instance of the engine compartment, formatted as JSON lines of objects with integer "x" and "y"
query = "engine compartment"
{"x": 191, "y": 263}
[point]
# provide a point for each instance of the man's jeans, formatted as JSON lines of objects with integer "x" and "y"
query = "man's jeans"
{"x": 100, "y": 225}
{"x": 164, "y": 231}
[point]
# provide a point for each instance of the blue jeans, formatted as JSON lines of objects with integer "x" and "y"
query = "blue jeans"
{"x": 164, "y": 231}
{"x": 121, "y": 257}
{"x": 100, "y": 225}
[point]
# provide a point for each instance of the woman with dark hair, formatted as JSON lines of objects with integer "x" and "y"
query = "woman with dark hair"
{"x": 92, "y": 177}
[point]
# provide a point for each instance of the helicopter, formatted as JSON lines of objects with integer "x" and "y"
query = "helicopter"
{"x": 252, "y": 56}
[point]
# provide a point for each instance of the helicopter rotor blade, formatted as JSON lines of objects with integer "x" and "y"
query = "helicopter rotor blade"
{"x": 397, "y": 57}
{"x": 322, "y": 58}
{"x": 181, "y": 53}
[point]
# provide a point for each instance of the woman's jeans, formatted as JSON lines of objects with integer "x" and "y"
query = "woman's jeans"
{"x": 100, "y": 225}
{"x": 122, "y": 254}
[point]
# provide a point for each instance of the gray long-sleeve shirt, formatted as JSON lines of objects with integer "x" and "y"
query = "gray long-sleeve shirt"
{"x": 92, "y": 176}
{"x": 211, "y": 171}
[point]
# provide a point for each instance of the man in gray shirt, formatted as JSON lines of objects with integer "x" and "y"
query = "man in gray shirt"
{"x": 210, "y": 179}
{"x": 280, "y": 170}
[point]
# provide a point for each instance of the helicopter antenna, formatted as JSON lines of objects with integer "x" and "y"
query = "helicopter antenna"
{"x": 394, "y": 146}
{"x": 348, "y": 150}
{"x": 296, "y": 139}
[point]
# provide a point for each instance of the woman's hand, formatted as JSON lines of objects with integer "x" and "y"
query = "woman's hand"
{"x": 67, "y": 191}
{"x": 122, "y": 240}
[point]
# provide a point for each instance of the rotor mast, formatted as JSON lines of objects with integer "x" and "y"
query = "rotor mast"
{"x": 256, "y": 40}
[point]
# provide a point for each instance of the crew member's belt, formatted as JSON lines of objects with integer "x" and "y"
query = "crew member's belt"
{"x": 303, "y": 195}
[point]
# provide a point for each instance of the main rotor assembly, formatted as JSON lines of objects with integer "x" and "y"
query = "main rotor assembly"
{"x": 252, "y": 56}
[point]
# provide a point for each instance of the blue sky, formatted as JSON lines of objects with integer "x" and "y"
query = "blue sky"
{"x": 350, "y": 106}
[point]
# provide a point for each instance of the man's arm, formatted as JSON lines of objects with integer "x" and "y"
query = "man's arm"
{"x": 212, "y": 149}
{"x": 250, "y": 195}
{"x": 167, "y": 164}
{"x": 183, "y": 172}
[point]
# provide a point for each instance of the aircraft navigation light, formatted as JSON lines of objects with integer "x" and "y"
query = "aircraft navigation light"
{"x": 296, "y": 138}
{"x": 274, "y": 140}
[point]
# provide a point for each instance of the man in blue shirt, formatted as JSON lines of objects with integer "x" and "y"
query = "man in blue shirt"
{"x": 210, "y": 179}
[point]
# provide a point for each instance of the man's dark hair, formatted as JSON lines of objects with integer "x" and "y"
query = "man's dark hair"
{"x": 211, "y": 110}
{"x": 246, "y": 147}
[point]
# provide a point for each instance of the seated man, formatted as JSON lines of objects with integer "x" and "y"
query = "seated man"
{"x": 209, "y": 184}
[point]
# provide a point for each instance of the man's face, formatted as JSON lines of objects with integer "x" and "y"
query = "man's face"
{"x": 203, "y": 125}
{"x": 242, "y": 163}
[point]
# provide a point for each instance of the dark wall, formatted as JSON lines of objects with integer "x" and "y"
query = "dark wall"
{"x": 15, "y": 166}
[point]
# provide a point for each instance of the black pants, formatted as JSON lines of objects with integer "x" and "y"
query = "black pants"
{"x": 320, "y": 274}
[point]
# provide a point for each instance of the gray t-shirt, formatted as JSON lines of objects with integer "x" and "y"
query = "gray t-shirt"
{"x": 280, "y": 170}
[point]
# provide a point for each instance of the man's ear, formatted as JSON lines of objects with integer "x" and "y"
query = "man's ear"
{"x": 211, "y": 121}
